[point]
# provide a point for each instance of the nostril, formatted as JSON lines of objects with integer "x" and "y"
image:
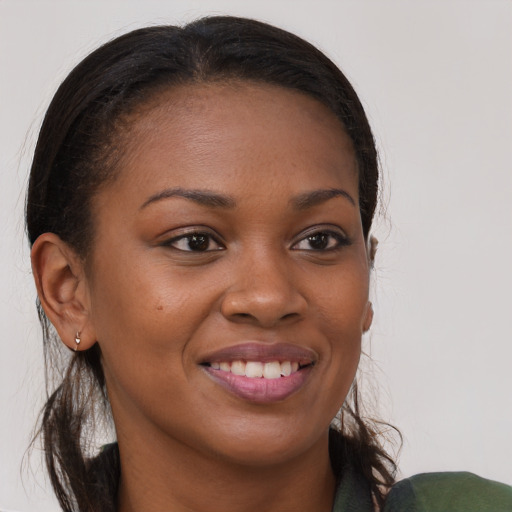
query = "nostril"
{"x": 266, "y": 307}
{"x": 243, "y": 315}
{"x": 289, "y": 315}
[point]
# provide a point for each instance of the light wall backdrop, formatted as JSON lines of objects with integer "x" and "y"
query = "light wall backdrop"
{"x": 436, "y": 80}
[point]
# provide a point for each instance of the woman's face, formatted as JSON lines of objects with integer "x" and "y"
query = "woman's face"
{"x": 230, "y": 247}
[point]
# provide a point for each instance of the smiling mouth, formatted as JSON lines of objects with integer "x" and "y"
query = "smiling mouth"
{"x": 259, "y": 369}
{"x": 261, "y": 373}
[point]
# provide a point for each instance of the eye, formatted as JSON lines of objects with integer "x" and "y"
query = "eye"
{"x": 195, "y": 242}
{"x": 321, "y": 241}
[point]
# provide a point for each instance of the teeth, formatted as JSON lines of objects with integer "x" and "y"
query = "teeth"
{"x": 238, "y": 367}
{"x": 286, "y": 368}
{"x": 272, "y": 370}
{"x": 225, "y": 367}
{"x": 254, "y": 369}
{"x": 257, "y": 369}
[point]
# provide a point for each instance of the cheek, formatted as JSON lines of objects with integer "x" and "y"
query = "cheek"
{"x": 341, "y": 315}
{"x": 144, "y": 316}
{"x": 143, "y": 325}
{"x": 133, "y": 301}
{"x": 342, "y": 301}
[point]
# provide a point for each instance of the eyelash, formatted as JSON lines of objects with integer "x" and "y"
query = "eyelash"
{"x": 339, "y": 239}
{"x": 332, "y": 239}
{"x": 194, "y": 236}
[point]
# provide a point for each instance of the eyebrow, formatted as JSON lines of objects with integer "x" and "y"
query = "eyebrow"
{"x": 202, "y": 197}
{"x": 216, "y": 200}
{"x": 310, "y": 199}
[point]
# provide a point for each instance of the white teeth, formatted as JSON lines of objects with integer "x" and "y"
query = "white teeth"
{"x": 286, "y": 368}
{"x": 254, "y": 369}
{"x": 272, "y": 370}
{"x": 238, "y": 367}
{"x": 257, "y": 369}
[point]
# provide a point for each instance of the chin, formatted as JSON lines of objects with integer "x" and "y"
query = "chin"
{"x": 260, "y": 445}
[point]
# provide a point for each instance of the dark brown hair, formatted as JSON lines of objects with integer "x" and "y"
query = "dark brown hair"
{"x": 78, "y": 147}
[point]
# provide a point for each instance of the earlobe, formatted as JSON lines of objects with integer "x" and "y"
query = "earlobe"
{"x": 62, "y": 290}
{"x": 368, "y": 319}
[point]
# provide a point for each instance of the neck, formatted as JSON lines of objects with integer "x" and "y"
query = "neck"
{"x": 160, "y": 476}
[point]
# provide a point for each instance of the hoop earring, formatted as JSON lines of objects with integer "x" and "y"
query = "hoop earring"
{"x": 77, "y": 340}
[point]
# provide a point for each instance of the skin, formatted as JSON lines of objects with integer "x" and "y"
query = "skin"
{"x": 158, "y": 309}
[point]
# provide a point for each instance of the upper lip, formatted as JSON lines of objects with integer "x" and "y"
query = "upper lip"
{"x": 254, "y": 351}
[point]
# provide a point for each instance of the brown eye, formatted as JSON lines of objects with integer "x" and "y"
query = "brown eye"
{"x": 321, "y": 241}
{"x": 198, "y": 242}
{"x": 195, "y": 242}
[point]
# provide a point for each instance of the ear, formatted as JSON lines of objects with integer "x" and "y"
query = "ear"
{"x": 371, "y": 249}
{"x": 62, "y": 288}
{"x": 368, "y": 317}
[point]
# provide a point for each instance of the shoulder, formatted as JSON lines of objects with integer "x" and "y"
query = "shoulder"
{"x": 449, "y": 492}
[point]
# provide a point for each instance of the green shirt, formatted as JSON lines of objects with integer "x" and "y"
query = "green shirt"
{"x": 428, "y": 492}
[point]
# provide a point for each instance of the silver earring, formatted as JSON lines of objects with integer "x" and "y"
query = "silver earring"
{"x": 77, "y": 340}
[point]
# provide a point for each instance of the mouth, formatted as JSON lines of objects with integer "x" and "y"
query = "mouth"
{"x": 261, "y": 373}
{"x": 259, "y": 369}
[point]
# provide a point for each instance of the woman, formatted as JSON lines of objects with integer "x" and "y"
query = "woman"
{"x": 199, "y": 210}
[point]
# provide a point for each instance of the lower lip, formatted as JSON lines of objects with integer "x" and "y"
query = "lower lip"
{"x": 260, "y": 390}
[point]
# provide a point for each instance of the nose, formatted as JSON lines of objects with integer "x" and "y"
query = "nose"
{"x": 263, "y": 292}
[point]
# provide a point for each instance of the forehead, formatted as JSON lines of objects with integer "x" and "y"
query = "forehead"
{"x": 219, "y": 135}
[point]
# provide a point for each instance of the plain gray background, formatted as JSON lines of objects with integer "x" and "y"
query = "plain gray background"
{"x": 436, "y": 80}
